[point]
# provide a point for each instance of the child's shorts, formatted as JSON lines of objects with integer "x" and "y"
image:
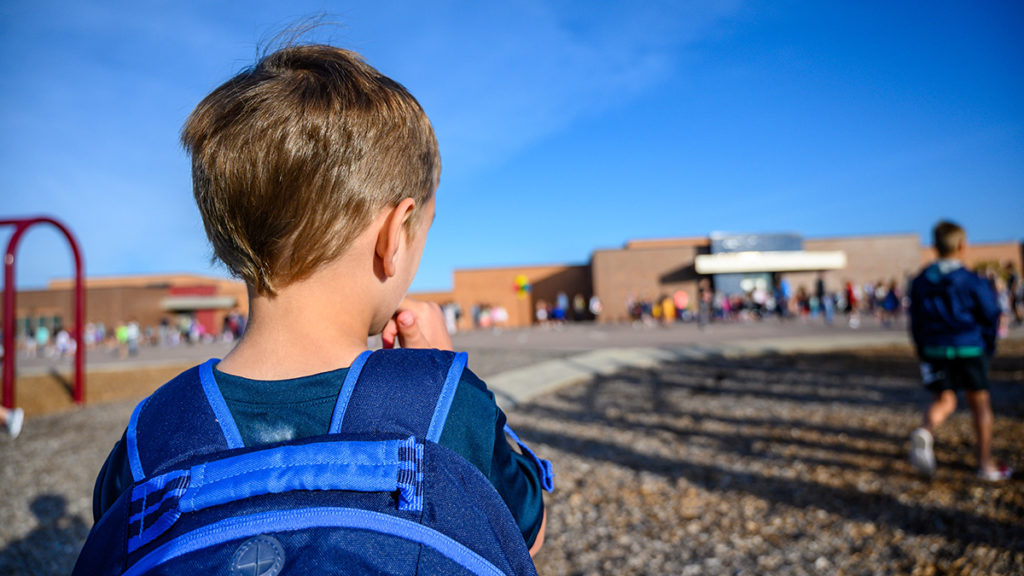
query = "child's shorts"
{"x": 938, "y": 374}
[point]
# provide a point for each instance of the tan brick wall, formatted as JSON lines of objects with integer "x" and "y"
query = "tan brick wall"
{"x": 110, "y": 300}
{"x": 643, "y": 273}
{"x": 1001, "y": 252}
{"x": 107, "y": 305}
{"x": 496, "y": 287}
{"x": 693, "y": 242}
{"x": 868, "y": 259}
{"x": 439, "y": 298}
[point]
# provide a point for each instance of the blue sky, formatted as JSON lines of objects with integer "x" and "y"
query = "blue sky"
{"x": 564, "y": 126}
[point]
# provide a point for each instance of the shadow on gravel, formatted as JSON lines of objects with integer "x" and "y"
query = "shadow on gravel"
{"x": 51, "y": 548}
{"x": 786, "y": 429}
{"x": 760, "y": 378}
{"x": 63, "y": 380}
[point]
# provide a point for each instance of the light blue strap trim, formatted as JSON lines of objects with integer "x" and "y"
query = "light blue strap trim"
{"x": 142, "y": 492}
{"x": 286, "y": 520}
{"x": 410, "y": 475}
{"x": 444, "y": 400}
{"x": 132, "y": 444}
{"x": 346, "y": 392}
{"x": 147, "y": 534}
{"x": 142, "y": 532}
{"x": 362, "y": 466}
{"x": 547, "y": 471}
{"x": 151, "y": 507}
{"x": 219, "y": 406}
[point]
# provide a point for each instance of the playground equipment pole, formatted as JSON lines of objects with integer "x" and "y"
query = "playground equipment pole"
{"x": 10, "y": 297}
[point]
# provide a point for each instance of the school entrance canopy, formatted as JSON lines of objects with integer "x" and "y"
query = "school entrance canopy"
{"x": 769, "y": 261}
{"x": 192, "y": 303}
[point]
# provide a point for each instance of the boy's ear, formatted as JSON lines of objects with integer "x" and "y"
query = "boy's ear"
{"x": 392, "y": 235}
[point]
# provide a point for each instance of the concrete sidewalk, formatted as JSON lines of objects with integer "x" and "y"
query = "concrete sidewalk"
{"x": 519, "y": 365}
{"x": 519, "y": 386}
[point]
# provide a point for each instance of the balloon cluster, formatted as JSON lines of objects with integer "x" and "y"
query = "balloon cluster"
{"x": 522, "y": 286}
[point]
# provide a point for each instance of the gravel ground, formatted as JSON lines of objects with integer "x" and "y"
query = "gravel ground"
{"x": 776, "y": 464}
{"x": 48, "y": 472}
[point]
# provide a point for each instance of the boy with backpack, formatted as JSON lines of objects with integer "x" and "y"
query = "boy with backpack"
{"x": 953, "y": 321}
{"x": 315, "y": 177}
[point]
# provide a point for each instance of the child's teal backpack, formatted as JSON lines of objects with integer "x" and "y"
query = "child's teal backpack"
{"x": 377, "y": 495}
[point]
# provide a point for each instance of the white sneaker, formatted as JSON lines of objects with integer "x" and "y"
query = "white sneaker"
{"x": 14, "y": 421}
{"x": 921, "y": 455}
{"x": 998, "y": 474}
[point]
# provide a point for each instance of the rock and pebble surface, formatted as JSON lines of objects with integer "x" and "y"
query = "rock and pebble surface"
{"x": 787, "y": 464}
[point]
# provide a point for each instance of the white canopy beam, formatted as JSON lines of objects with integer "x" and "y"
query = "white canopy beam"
{"x": 789, "y": 261}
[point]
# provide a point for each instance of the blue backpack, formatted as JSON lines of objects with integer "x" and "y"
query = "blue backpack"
{"x": 376, "y": 495}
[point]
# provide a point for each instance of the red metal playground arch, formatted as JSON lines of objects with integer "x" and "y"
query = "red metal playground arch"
{"x": 10, "y": 296}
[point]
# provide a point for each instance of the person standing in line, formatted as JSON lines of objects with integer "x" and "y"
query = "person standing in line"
{"x": 1013, "y": 285}
{"x": 954, "y": 318}
{"x": 704, "y": 296}
{"x": 595, "y": 306}
{"x": 825, "y": 303}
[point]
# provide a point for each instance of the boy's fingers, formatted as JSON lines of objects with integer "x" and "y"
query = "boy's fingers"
{"x": 389, "y": 334}
{"x": 421, "y": 325}
{"x": 409, "y": 333}
{"x": 405, "y": 318}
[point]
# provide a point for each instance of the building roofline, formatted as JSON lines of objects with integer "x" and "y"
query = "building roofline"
{"x": 685, "y": 241}
{"x": 864, "y": 236}
{"x": 519, "y": 267}
{"x": 143, "y": 280}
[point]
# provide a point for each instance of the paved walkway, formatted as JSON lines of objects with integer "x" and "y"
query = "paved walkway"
{"x": 542, "y": 359}
{"x": 520, "y": 385}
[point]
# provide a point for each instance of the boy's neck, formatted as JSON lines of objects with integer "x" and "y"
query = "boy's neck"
{"x": 312, "y": 326}
{"x": 322, "y": 322}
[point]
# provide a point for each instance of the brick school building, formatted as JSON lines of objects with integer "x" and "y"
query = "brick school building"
{"x": 638, "y": 269}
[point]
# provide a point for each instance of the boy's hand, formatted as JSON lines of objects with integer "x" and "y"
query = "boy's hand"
{"x": 417, "y": 324}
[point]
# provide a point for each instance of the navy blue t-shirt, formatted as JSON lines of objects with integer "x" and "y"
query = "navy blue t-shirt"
{"x": 281, "y": 410}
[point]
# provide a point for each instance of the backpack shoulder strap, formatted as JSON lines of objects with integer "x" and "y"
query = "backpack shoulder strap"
{"x": 156, "y": 438}
{"x": 404, "y": 391}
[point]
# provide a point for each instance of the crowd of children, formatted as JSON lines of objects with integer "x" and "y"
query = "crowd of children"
{"x": 884, "y": 301}
{"x": 580, "y": 309}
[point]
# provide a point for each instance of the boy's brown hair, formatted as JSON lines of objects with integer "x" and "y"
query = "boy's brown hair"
{"x": 947, "y": 238}
{"x": 293, "y": 157}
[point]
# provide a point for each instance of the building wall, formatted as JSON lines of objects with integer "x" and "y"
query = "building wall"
{"x": 868, "y": 259}
{"x": 988, "y": 253}
{"x": 116, "y": 300}
{"x": 170, "y": 283}
{"x": 643, "y": 272}
{"x": 642, "y": 269}
{"x": 439, "y": 298}
{"x": 497, "y": 287}
{"x": 693, "y": 242}
{"x": 107, "y": 305}
{"x": 651, "y": 269}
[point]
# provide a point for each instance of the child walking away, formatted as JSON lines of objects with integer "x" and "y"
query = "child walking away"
{"x": 301, "y": 452}
{"x": 954, "y": 318}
